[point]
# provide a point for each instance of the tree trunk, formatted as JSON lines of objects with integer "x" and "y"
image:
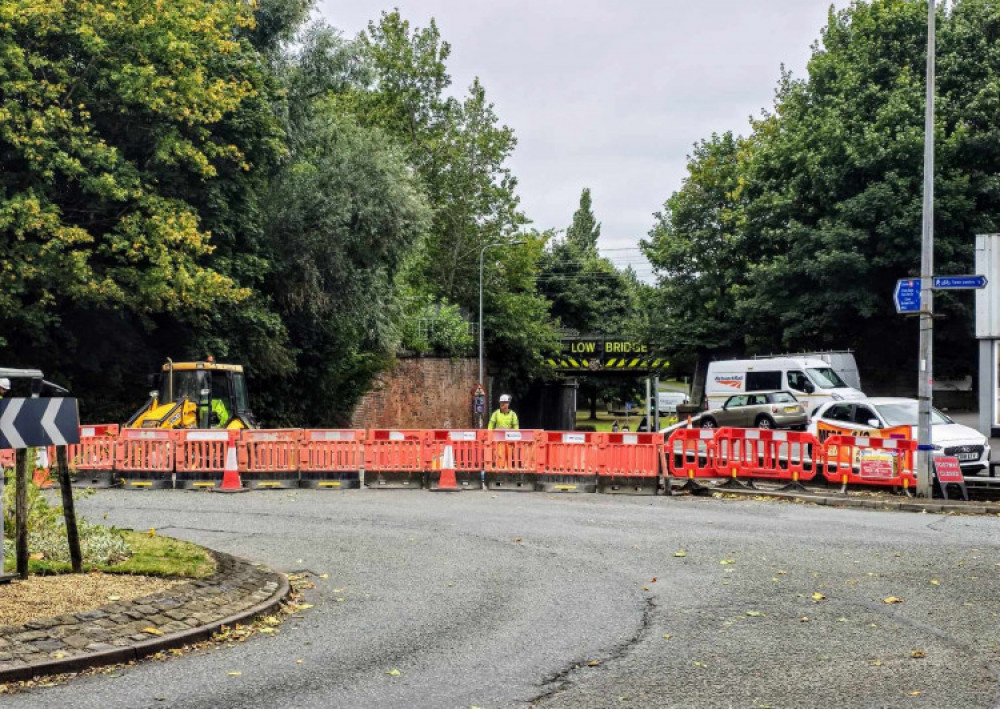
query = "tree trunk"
{"x": 21, "y": 511}
{"x": 593, "y": 404}
{"x": 69, "y": 510}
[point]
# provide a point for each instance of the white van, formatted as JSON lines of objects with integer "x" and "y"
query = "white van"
{"x": 812, "y": 381}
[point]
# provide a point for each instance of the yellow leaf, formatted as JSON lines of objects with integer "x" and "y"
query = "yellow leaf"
{"x": 754, "y": 614}
{"x": 726, "y": 562}
{"x": 935, "y": 582}
{"x": 235, "y": 674}
{"x": 303, "y": 606}
{"x": 152, "y": 631}
{"x": 152, "y": 531}
{"x": 267, "y": 631}
{"x": 324, "y": 576}
{"x": 781, "y": 572}
{"x": 114, "y": 598}
{"x": 916, "y": 693}
{"x": 593, "y": 663}
{"x": 394, "y": 673}
{"x": 876, "y": 663}
{"x": 298, "y": 662}
{"x": 804, "y": 619}
{"x": 645, "y": 588}
{"x": 667, "y": 636}
{"x": 918, "y": 654}
{"x": 817, "y": 596}
{"x": 680, "y": 553}
{"x": 892, "y": 599}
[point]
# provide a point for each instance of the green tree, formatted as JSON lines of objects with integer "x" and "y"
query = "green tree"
{"x": 585, "y": 229}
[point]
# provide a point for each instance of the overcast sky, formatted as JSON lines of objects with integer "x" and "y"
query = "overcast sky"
{"x": 611, "y": 95}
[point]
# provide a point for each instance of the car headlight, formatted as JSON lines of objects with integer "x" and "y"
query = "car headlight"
{"x": 836, "y": 397}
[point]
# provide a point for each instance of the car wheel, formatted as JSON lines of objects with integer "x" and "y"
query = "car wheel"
{"x": 765, "y": 422}
{"x": 708, "y": 422}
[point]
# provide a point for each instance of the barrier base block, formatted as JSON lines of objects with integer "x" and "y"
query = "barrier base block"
{"x": 145, "y": 481}
{"x": 465, "y": 479}
{"x": 96, "y": 479}
{"x": 734, "y": 484}
{"x": 330, "y": 481}
{"x": 270, "y": 481}
{"x": 394, "y": 481}
{"x": 628, "y": 485}
{"x": 511, "y": 482}
{"x": 566, "y": 483}
{"x": 198, "y": 481}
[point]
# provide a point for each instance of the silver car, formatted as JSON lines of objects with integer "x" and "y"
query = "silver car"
{"x": 761, "y": 409}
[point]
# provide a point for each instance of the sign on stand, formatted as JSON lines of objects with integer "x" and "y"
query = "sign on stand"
{"x": 947, "y": 471}
{"x": 907, "y": 298}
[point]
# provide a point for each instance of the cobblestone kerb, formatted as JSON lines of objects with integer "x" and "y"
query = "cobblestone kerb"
{"x": 126, "y": 631}
{"x": 905, "y": 504}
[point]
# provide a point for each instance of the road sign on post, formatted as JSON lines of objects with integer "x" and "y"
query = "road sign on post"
{"x": 907, "y": 295}
{"x": 969, "y": 282}
{"x": 36, "y": 423}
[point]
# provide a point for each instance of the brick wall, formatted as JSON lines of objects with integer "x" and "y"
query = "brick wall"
{"x": 421, "y": 392}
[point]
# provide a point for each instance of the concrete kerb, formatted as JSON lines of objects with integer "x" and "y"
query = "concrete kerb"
{"x": 907, "y": 505}
{"x": 140, "y": 649}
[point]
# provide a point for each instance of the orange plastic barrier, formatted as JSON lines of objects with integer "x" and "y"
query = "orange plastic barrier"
{"x": 512, "y": 459}
{"x": 331, "y": 458}
{"x": 201, "y": 456}
{"x": 395, "y": 458}
{"x": 690, "y": 453}
{"x": 862, "y": 460}
{"x": 629, "y": 462}
{"x": 754, "y": 453}
{"x": 269, "y": 458}
{"x": 572, "y": 462}
{"x": 93, "y": 458}
{"x": 7, "y": 458}
{"x": 145, "y": 458}
{"x": 468, "y": 450}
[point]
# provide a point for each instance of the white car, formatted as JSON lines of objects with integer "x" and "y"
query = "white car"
{"x": 949, "y": 438}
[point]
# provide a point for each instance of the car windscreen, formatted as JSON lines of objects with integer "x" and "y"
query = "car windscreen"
{"x": 781, "y": 397}
{"x": 825, "y": 378}
{"x": 905, "y": 414}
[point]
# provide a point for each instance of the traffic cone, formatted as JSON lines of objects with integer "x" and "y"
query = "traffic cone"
{"x": 447, "y": 482}
{"x": 231, "y": 474}
{"x": 42, "y": 476}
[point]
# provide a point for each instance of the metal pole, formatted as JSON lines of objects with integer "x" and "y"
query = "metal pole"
{"x": 482, "y": 252}
{"x": 926, "y": 357}
{"x": 649, "y": 408}
{"x": 21, "y": 511}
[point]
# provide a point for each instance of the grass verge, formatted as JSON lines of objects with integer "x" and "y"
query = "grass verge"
{"x": 151, "y": 556}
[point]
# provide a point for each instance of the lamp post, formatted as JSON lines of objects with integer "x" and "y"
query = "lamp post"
{"x": 482, "y": 252}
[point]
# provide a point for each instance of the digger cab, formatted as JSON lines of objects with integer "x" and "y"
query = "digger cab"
{"x": 196, "y": 395}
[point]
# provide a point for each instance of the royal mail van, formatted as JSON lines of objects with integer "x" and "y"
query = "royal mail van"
{"x": 812, "y": 381}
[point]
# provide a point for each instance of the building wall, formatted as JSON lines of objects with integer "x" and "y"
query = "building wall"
{"x": 420, "y": 392}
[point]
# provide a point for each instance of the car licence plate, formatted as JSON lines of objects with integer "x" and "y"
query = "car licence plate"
{"x": 792, "y": 409}
{"x": 968, "y": 456}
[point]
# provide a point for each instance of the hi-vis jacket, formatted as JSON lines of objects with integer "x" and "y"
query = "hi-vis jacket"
{"x": 499, "y": 419}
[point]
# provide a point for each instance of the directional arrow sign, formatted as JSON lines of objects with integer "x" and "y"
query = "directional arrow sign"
{"x": 959, "y": 282}
{"x": 29, "y": 423}
{"x": 907, "y": 295}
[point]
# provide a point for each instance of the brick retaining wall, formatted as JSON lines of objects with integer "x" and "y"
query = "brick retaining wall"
{"x": 420, "y": 392}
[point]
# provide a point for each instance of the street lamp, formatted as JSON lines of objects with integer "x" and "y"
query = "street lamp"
{"x": 482, "y": 252}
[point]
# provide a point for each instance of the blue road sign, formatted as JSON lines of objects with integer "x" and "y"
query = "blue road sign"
{"x": 959, "y": 282}
{"x": 907, "y": 295}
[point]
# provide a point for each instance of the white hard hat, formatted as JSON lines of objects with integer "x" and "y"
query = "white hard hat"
{"x": 4, "y": 383}
{"x": 505, "y": 397}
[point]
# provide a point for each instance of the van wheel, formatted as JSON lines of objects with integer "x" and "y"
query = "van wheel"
{"x": 708, "y": 422}
{"x": 765, "y": 422}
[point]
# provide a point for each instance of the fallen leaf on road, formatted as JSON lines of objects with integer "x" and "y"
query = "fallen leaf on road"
{"x": 726, "y": 562}
{"x": 916, "y": 693}
{"x": 338, "y": 590}
{"x": 517, "y": 540}
{"x": 267, "y": 631}
{"x": 152, "y": 631}
{"x": 935, "y": 582}
{"x": 781, "y": 572}
{"x": 667, "y": 636}
{"x": 645, "y": 588}
{"x": 817, "y": 596}
{"x": 876, "y": 663}
{"x": 680, "y": 553}
{"x": 298, "y": 662}
{"x": 804, "y": 619}
{"x": 114, "y": 598}
{"x": 152, "y": 532}
{"x": 653, "y": 580}
{"x": 394, "y": 673}
{"x": 235, "y": 674}
{"x": 324, "y": 576}
{"x": 892, "y": 599}
{"x": 754, "y": 614}
{"x": 593, "y": 663}
{"x": 918, "y": 654}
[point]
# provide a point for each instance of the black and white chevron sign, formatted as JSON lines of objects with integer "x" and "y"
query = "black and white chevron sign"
{"x": 29, "y": 423}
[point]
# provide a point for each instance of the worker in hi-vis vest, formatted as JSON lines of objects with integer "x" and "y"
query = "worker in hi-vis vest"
{"x": 504, "y": 417}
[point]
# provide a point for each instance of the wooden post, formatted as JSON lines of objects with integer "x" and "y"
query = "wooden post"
{"x": 69, "y": 510}
{"x": 21, "y": 510}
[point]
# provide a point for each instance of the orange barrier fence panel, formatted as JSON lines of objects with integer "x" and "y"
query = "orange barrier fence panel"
{"x": 629, "y": 454}
{"x": 766, "y": 454}
{"x": 96, "y": 449}
{"x": 690, "y": 453}
{"x": 395, "y": 450}
{"x": 332, "y": 451}
{"x": 467, "y": 446}
{"x": 517, "y": 452}
{"x": 570, "y": 453}
{"x": 269, "y": 450}
{"x": 145, "y": 458}
{"x": 204, "y": 451}
{"x": 862, "y": 460}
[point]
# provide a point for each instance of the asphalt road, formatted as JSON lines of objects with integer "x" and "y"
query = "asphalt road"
{"x": 480, "y": 599}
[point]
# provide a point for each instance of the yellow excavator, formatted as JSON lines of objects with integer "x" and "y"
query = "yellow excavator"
{"x": 196, "y": 395}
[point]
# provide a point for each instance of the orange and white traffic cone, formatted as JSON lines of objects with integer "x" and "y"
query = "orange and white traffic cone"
{"x": 231, "y": 475}
{"x": 447, "y": 482}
